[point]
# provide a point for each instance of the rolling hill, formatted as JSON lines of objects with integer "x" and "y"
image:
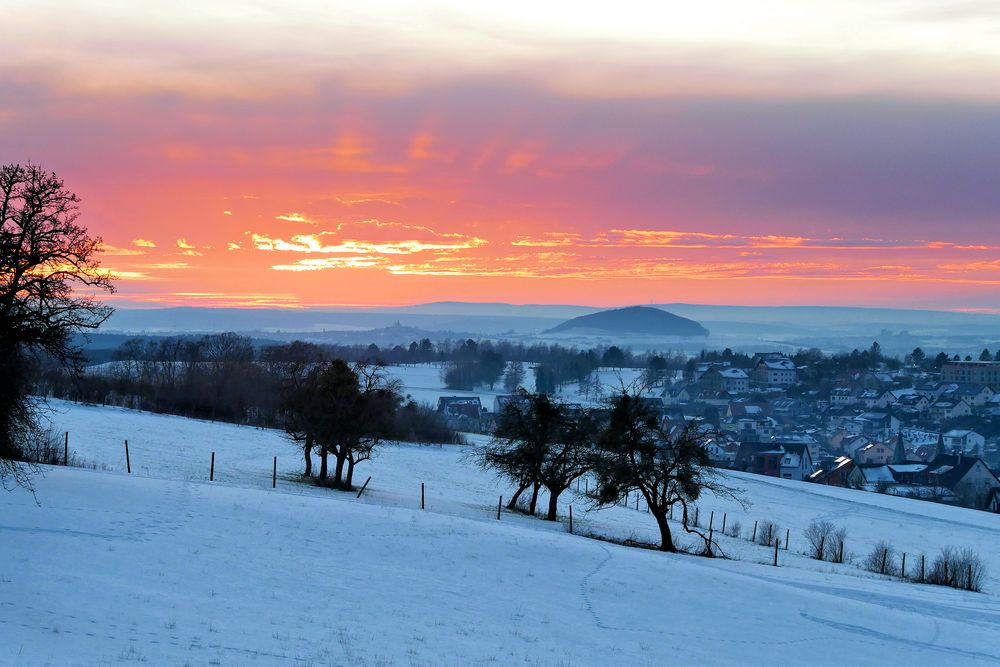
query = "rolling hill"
{"x": 633, "y": 320}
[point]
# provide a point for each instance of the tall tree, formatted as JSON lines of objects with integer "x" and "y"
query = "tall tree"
{"x": 48, "y": 273}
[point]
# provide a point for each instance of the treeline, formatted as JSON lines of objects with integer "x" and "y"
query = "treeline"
{"x": 220, "y": 377}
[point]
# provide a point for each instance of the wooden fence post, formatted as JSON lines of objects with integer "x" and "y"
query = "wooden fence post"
{"x": 754, "y": 537}
{"x": 570, "y": 519}
{"x": 696, "y": 517}
{"x": 842, "y": 551}
{"x": 968, "y": 582}
{"x": 211, "y": 469}
{"x": 128, "y": 461}
{"x": 902, "y": 568}
{"x": 499, "y": 505}
{"x": 788, "y": 532}
{"x": 724, "y": 514}
{"x": 364, "y": 486}
{"x": 637, "y": 501}
{"x": 711, "y": 520}
{"x": 921, "y": 568}
{"x": 421, "y": 495}
{"x": 274, "y": 475}
{"x": 776, "y": 541}
{"x": 66, "y": 450}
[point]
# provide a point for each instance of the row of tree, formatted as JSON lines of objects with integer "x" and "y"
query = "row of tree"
{"x": 624, "y": 446}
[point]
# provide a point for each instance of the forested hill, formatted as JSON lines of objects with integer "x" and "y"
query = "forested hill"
{"x": 634, "y": 320}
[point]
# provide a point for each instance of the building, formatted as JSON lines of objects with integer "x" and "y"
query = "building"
{"x": 774, "y": 371}
{"x": 463, "y": 413}
{"x": 964, "y": 441}
{"x": 975, "y": 372}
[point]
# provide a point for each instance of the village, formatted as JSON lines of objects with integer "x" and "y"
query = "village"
{"x": 913, "y": 430}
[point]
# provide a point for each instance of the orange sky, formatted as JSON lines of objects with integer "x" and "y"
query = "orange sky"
{"x": 246, "y": 155}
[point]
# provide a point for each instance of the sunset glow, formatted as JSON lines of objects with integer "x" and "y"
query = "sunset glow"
{"x": 321, "y": 154}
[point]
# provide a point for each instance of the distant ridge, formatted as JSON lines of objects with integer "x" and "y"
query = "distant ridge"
{"x": 634, "y": 320}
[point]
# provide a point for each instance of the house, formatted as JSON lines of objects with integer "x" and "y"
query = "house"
{"x": 842, "y": 396}
{"x": 721, "y": 452}
{"x": 942, "y": 410}
{"x": 874, "y": 453}
{"x": 504, "y": 401}
{"x": 964, "y": 441}
{"x": 724, "y": 378}
{"x": 463, "y": 413}
{"x": 967, "y": 476}
{"x": 833, "y": 473}
{"x": 774, "y": 371}
{"x": 850, "y": 444}
{"x": 773, "y": 459}
{"x": 976, "y": 395}
{"x": 797, "y": 462}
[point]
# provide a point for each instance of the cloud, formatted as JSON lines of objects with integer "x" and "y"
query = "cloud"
{"x": 184, "y": 245}
{"x": 143, "y": 243}
{"x": 295, "y": 217}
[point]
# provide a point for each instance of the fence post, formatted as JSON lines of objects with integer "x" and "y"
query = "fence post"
{"x": 66, "y": 450}
{"x": 274, "y": 475}
{"x": 842, "y": 551}
{"x": 788, "y": 532}
{"x": 421, "y": 495}
{"x": 754, "y": 537}
{"x": 921, "y": 568}
{"x": 499, "y": 505}
{"x": 570, "y": 519}
{"x": 364, "y": 486}
{"x": 822, "y": 545}
{"x": 128, "y": 461}
{"x": 724, "y": 514}
{"x": 211, "y": 469}
{"x": 696, "y": 517}
{"x": 902, "y": 568}
{"x": 969, "y": 580}
{"x": 776, "y": 541}
{"x": 885, "y": 556}
{"x": 711, "y": 520}
{"x": 637, "y": 501}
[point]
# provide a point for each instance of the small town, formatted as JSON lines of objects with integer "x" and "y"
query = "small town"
{"x": 922, "y": 428}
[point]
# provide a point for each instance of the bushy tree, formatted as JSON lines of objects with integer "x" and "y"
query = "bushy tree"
{"x": 636, "y": 452}
{"x": 45, "y": 260}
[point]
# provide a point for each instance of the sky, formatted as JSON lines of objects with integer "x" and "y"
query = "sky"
{"x": 307, "y": 153}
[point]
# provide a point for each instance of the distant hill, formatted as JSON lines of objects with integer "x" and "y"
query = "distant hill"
{"x": 634, "y": 320}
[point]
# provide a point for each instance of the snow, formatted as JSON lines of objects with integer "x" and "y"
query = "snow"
{"x": 166, "y": 567}
{"x": 424, "y": 384}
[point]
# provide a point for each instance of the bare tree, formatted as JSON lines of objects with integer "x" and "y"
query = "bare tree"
{"x": 48, "y": 269}
{"x": 636, "y": 452}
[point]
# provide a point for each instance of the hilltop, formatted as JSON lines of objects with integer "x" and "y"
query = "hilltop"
{"x": 633, "y": 320}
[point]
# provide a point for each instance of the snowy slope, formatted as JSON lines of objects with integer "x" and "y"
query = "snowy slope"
{"x": 166, "y": 567}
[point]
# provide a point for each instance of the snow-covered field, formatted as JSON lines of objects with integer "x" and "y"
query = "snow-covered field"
{"x": 165, "y": 567}
{"x": 424, "y": 384}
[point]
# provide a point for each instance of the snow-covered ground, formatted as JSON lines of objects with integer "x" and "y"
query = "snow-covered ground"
{"x": 424, "y": 384}
{"x": 166, "y": 567}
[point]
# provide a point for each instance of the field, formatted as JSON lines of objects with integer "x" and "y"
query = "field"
{"x": 164, "y": 567}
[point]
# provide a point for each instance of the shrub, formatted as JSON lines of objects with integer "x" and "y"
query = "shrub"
{"x": 881, "y": 559}
{"x": 817, "y": 535}
{"x": 767, "y": 533}
{"x": 958, "y": 568}
{"x": 734, "y": 529}
{"x": 835, "y": 552}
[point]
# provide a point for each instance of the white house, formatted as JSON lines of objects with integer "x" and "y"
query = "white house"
{"x": 965, "y": 441}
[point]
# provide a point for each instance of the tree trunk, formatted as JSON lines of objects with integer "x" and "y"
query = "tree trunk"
{"x": 666, "y": 541}
{"x": 512, "y": 503}
{"x": 338, "y": 475}
{"x": 323, "y": 468}
{"x": 349, "y": 482}
{"x": 553, "y": 504}
{"x": 534, "y": 499}
{"x": 307, "y": 453}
